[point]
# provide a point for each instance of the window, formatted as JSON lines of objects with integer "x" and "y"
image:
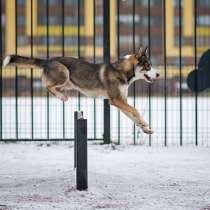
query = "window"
{"x": 144, "y": 40}
{"x": 22, "y": 40}
{"x": 54, "y": 2}
{"x": 21, "y": 20}
{"x": 177, "y": 41}
{"x": 54, "y": 20}
{"x": 156, "y": 20}
{"x": 203, "y": 20}
{"x": 200, "y": 41}
{"x": 72, "y": 20}
{"x": 54, "y": 40}
{"x": 70, "y": 2}
{"x": 129, "y": 19}
{"x": 126, "y": 39}
{"x": 155, "y": 61}
{"x": 42, "y": 20}
{"x": 70, "y": 41}
{"x": 144, "y": 20}
{"x": 99, "y": 20}
{"x": 204, "y": 3}
{"x": 21, "y": 2}
{"x": 176, "y": 3}
{"x": 155, "y": 2}
{"x": 142, "y": 3}
{"x": 176, "y": 21}
{"x": 42, "y": 40}
{"x": 156, "y": 41}
{"x": 58, "y": 2}
{"x": 175, "y": 62}
{"x": 99, "y": 41}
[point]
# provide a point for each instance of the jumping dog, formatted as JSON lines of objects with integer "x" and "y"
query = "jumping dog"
{"x": 109, "y": 81}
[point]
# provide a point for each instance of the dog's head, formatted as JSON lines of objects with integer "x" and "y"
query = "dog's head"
{"x": 143, "y": 66}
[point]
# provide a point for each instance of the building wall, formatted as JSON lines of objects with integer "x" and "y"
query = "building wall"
{"x": 31, "y": 22}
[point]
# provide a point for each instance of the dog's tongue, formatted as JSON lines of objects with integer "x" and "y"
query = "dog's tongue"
{"x": 148, "y": 78}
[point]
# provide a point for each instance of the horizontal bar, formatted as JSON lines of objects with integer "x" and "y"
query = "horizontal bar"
{"x": 71, "y": 139}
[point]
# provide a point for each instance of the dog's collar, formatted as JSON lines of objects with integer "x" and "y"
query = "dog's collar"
{"x": 127, "y": 75}
{"x": 130, "y": 77}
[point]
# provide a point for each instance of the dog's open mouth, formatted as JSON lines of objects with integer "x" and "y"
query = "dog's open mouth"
{"x": 148, "y": 78}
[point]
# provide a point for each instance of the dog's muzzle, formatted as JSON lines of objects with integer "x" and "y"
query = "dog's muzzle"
{"x": 151, "y": 76}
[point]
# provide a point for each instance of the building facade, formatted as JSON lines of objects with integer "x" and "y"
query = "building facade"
{"x": 48, "y": 28}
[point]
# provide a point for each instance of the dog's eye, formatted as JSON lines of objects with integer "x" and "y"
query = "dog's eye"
{"x": 142, "y": 62}
{"x": 146, "y": 67}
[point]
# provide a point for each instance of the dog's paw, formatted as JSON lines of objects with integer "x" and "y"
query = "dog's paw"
{"x": 142, "y": 124}
{"x": 63, "y": 98}
{"x": 147, "y": 130}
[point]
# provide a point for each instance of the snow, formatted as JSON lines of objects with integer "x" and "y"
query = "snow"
{"x": 125, "y": 177}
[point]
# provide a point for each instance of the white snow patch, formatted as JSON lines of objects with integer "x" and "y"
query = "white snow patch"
{"x": 128, "y": 177}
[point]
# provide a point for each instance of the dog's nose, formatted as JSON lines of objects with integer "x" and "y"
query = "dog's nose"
{"x": 157, "y": 74}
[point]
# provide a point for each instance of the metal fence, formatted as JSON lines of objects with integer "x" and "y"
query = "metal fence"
{"x": 177, "y": 33}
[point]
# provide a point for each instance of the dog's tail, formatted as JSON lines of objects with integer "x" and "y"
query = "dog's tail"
{"x": 23, "y": 62}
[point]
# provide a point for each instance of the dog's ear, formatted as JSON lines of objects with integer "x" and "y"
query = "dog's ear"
{"x": 146, "y": 52}
{"x": 140, "y": 51}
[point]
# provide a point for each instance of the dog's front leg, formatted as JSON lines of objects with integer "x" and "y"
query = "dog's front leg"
{"x": 132, "y": 113}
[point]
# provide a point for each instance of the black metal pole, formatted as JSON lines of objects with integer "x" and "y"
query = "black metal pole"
{"x": 94, "y": 60}
{"x": 75, "y": 131}
{"x": 16, "y": 73}
{"x": 81, "y": 154}
{"x": 78, "y": 42}
{"x": 196, "y": 80}
{"x": 47, "y": 46}
{"x": 118, "y": 58}
{"x": 134, "y": 84}
{"x": 180, "y": 69}
{"x": 63, "y": 54}
{"x": 149, "y": 88}
{"x": 1, "y": 85}
{"x": 165, "y": 70}
{"x": 106, "y": 49}
{"x": 32, "y": 90}
{"x": 77, "y": 115}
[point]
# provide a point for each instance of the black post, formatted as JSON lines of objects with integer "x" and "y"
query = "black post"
{"x": 106, "y": 49}
{"x": 81, "y": 153}
{"x": 196, "y": 79}
{"x": 77, "y": 115}
{"x": 1, "y": 86}
{"x": 16, "y": 73}
{"x": 165, "y": 71}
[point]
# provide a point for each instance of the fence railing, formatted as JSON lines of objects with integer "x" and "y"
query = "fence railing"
{"x": 177, "y": 33}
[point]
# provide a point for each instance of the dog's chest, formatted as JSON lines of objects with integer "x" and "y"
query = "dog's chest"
{"x": 123, "y": 91}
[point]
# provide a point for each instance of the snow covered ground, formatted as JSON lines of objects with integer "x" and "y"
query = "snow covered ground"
{"x": 120, "y": 178}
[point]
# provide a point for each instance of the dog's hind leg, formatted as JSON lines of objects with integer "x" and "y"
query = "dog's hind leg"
{"x": 56, "y": 78}
{"x": 132, "y": 113}
{"x": 58, "y": 92}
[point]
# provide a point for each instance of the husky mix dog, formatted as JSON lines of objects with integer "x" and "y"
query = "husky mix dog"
{"x": 110, "y": 81}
